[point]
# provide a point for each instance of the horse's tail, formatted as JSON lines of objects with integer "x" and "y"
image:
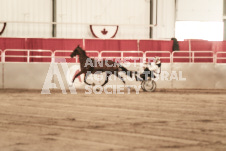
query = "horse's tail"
{"x": 129, "y": 73}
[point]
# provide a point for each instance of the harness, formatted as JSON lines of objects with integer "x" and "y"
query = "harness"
{"x": 159, "y": 65}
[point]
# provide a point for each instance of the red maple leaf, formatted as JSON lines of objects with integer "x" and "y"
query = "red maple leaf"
{"x": 104, "y": 31}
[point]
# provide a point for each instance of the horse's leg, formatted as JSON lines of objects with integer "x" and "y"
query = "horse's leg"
{"x": 116, "y": 74}
{"x": 85, "y": 77}
{"x": 106, "y": 80}
{"x": 76, "y": 75}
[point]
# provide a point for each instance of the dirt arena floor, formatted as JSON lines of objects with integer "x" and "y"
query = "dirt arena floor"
{"x": 166, "y": 120}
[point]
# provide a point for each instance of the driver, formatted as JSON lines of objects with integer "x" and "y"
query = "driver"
{"x": 151, "y": 69}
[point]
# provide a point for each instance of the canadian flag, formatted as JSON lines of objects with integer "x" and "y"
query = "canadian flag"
{"x": 104, "y": 31}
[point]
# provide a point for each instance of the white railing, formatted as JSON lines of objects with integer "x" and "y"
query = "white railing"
{"x": 123, "y": 55}
{"x": 220, "y": 56}
{"x": 192, "y": 55}
{"x": 160, "y": 54}
{"x": 62, "y": 58}
{"x": 183, "y": 56}
{"x": 27, "y": 56}
{"x": 58, "y": 57}
{"x": 203, "y": 56}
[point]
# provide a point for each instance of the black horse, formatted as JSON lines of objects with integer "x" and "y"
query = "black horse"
{"x": 91, "y": 66}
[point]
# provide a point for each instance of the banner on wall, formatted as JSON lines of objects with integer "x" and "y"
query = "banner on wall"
{"x": 104, "y": 31}
{"x": 2, "y": 27}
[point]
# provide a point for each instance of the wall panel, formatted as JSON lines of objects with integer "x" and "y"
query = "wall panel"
{"x": 220, "y": 75}
{"x": 26, "y": 11}
{"x": 25, "y": 76}
{"x": 165, "y": 20}
{"x": 198, "y": 76}
{"x": 1, "y": 75}
{"x": 127, "y": 13}
{"x": 103, "y": 12}
{"x": 100, "y": 45}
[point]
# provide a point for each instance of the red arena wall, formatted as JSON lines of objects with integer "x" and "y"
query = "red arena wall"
{"x": 110, "y": 45}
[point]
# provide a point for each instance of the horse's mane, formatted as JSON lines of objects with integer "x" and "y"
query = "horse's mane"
{"x": 83, "y": 52}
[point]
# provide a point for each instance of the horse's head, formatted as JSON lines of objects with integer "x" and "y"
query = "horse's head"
{"x": 77, "y": 51}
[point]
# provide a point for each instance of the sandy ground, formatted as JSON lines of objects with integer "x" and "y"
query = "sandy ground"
{"x": 167, "y": 120}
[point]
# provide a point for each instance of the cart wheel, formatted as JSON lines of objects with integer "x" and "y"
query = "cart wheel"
{"x": 142, "y": 86}
{"x": 149, "y": 85}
